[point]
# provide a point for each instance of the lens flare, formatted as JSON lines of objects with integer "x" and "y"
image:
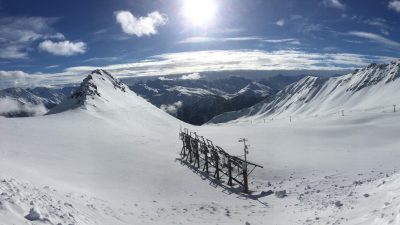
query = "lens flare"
{"x": 199, "y": 12}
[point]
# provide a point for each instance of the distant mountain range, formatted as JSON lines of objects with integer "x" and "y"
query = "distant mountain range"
{"x": 233, "y": 98}
{"x": 373, "y": 87}
{"x": 193, "y": 101}
{"x": 23, "y": 102}
{"x": 197, "y": 101}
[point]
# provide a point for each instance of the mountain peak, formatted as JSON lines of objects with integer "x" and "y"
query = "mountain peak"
{"x": 89, "y": 86}
{"x": 254, "y": 88}
{"x": 97, "y": 88}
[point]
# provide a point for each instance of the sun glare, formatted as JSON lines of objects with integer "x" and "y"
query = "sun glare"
{"x": 199, "y": 12}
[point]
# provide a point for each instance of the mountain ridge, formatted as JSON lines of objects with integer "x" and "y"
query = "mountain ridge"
{"x": 373, "y": 86}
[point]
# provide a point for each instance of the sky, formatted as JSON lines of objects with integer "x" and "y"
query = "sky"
{"x": 48, "y": 42}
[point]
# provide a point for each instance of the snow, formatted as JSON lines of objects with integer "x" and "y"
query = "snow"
{"x": 111, "y": 158}
{"x": 372, "y": 88}
{"x": 255, "y": 88}
{"x": 190, "y": 91}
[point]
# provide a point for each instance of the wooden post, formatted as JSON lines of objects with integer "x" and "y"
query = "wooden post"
{"x": 190, "y": 152}
{"x": 245, "y": 179}
{"x": 216, "y": 166}
{"x": 196, "y": 153}
{"x": 230, "y": 172}
{"x": 183, "y": 151}
{"x": 394, "y": 108}
{"x": 206, "y": 159}
{"x": 198, "y": 158}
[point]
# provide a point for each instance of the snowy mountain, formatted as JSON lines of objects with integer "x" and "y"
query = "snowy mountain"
{"x": 192, "y": 101}
{"x": 22, "y": 102}
{"x": 110, "y": 157}
{"x": 250, "y": 95}
{"x": 255, "y": 88}
{"x": 197, "y": 101}
{"x": 373, "y": 87}
{"x": 100, "y": 91}
{"x": 102, "y": 129}
{"x": 49, "y": 97}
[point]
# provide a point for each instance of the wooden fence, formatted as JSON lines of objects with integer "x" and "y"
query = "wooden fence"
{"x": 214, "y": 160}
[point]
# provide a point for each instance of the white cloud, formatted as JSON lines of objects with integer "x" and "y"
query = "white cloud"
{"x": 101, "y": 31}
{"x": 57, "y": 36}
{"x": 63, "y": 48}
{"x": 375, "y": 38}
{"x": 17, "y": 79}
{"x": 13, "y": 52}
{"x": 249, "y": 38}
{"x": 395, "y": 5}
{"x": 12, "y": 106}
{"x": 287, "y": 40}
{"x": 140, "y": 26}
{"x": 192, "y": 40}
{"x": 206, "y": 61}
{"x": 52, "y": 66}
{"x": 280, "y": 23}
{"x": 380, "y": 23}
{"x": 102, "y": 59}
{"x": 334, "y": 3}
{"x": 385, "y": 32}
{"x": 231, "y": 60}
{"x": 17, "y": 34}
{"x": 192, "y": 76}
{"x": 230, "y": 30}
{"x": 201, "y": 39}
{"x": 164, "y": 78}
{"x": 173, "y": 108}
{"x": 330, "y": 49}
{"x": 23, "y": 79}
{"x": 12, "y": 74}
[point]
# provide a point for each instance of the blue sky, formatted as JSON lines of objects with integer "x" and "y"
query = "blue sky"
{"x": 58, "y": 41}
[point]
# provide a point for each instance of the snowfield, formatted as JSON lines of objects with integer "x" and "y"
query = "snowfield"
{"x": 106, "y": 156}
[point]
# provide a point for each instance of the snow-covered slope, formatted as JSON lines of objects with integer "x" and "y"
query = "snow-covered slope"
{"x": 110, "y": 158}
{"x": 104, "y": 140}
{"x": 373, "y": 87}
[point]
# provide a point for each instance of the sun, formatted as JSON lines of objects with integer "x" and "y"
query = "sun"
{"x": 199, "y": 12}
